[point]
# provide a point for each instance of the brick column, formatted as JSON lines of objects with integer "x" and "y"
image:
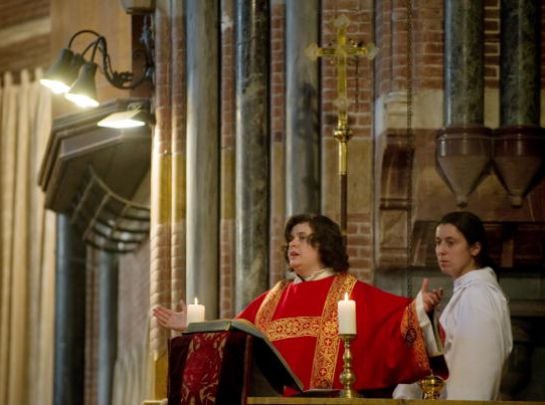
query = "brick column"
{"x": 227, "y": 176}
{"x": 161, "y": 196}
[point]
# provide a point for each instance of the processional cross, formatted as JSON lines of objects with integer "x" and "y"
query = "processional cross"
{"x": 342, "y": 133}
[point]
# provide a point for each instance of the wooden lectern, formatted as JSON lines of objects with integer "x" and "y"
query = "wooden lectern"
{"x": 225, "y": 362}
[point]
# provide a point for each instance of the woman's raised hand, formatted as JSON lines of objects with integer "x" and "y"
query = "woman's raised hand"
{"x": 171, "y": 319}
{"x": 431, "y": 298}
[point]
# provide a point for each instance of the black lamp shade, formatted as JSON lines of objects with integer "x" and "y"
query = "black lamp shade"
{"x": 61, "y": 74}
{"x": 83, "y": 92}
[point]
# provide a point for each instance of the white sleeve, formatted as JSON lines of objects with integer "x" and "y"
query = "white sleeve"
{"x": 475, "y": 354}
{"x": 407, "y": 391}
{"x": 433, "y": 343}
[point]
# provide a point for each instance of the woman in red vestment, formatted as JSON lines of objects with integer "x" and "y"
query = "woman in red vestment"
{"x": 394, "y": 337}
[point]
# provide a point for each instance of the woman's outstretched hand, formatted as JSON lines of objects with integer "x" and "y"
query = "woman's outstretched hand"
{"x": 171, "y": 319}
{"x": 431, "y": 298}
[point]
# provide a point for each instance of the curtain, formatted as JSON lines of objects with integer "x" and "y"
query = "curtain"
{"x": 27, "y": 235}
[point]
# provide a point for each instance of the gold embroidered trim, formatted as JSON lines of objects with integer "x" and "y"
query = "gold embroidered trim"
{"x": 324, "y": 328}
{"x": 327, "y": 345}
{"x": 268, "y": 306}
{"x": 300, "y": 326}
{"x": 414, "y": 337}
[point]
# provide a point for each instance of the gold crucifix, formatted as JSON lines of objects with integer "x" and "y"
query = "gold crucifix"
{"x": 341, "y": 52}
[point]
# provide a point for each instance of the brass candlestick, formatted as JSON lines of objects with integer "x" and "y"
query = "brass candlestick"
{"x": 431, "y": 386}
{"x": 347, "y": 376}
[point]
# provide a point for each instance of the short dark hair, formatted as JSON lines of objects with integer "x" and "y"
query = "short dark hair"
{"x": 472, "y": 228}
{"x": 326, "y": 236}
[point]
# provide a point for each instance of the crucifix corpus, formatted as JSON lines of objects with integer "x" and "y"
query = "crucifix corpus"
{"x": 342, "y": 50}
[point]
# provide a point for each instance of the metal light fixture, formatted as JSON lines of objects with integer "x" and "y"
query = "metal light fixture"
{"x": 136, "y": 115}
{"x": 61, "y": 76}
{"x": 83, "y": 92}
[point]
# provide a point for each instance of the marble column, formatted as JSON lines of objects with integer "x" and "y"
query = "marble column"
{"x": 108, "y": 282}
{"x": 519, "y": 63}
{"x": 464, "y": 62}
{"x": 464, "y": 145}
{"x": 69, "y": 369}
{"x": 302, "y": 117}
{"x": 252, "y": 149}
{"x": 202, "y": 153}
{"x": 519, "y": 142}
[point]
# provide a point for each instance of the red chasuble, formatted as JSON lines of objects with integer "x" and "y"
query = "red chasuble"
{"x": 301, "y": 321}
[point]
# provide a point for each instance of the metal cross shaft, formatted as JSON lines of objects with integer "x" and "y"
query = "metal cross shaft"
{"x": 342, "y": 50}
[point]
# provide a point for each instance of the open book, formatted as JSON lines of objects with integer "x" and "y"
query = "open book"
{"x": 271, "y": 371}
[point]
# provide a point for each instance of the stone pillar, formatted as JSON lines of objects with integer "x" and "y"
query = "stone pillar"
{"x": 252, "y": 149}
{"x": 464, "y": 145}
{"x": 519, "y": 142}
{"x": 464, "y": 62}
{"x": 69, "y": 371}
{"x": 202, "y": 153}
{"x": 519, "y": 63}
{"x": 302, "y": 116}
{"x": 108, "y": 281}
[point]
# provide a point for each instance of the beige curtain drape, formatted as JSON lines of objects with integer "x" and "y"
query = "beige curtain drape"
{"x": 27, "y": 283}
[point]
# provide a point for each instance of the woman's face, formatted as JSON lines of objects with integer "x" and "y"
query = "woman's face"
{"x": 454, "y": 256}
{"x": 303, "y": 258}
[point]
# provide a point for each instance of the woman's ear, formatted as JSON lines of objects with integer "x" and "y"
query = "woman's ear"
{"x": 475, "y": 249}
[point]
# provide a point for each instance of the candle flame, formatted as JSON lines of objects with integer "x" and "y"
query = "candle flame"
{"x": 196, "y": 301}
{"x": 346, "y": 296}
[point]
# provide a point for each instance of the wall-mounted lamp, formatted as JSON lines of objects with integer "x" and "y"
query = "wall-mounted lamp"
{"x": 136, "y": 115}
{"x": 74, "y": 76}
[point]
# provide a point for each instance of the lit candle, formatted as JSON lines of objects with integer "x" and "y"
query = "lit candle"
{"x": 346, "y": 310}
{"x": 195, "y": 312}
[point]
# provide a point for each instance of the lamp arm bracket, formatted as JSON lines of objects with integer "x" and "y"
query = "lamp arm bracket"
{"x": 81, "y": 32}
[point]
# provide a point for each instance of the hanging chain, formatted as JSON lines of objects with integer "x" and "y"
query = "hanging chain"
{"x": 357, "y": 95}
{"x": 410, "y": 145}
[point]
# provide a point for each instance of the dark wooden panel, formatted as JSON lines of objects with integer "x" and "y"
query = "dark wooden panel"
{"x": 514, "y": 246}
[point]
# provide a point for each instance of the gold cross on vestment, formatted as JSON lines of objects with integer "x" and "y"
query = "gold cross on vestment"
{"x": 342, "y": 50}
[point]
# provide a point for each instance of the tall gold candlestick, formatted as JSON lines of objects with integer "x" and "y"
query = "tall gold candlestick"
{"x": 347, "y": 376}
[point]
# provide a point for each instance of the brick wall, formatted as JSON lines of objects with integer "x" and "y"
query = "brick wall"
{"x": 360, "y": 89}
{"x": 427, "y": 43}
{"x": 383, "y": 36}
{"x": 359, "y": 245}
{"x": 227, "y": 173}
{"x": 277, "y": 264}
{"x": 492, "y": 43}
{"x": 14, "y": 12}
{"x": 542, "y": 64}
{"x": 24, "y": 38}
{"x": 359, "y": 72}
{"x": 91, "y": 328}
{"x": 27, "y": 54}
